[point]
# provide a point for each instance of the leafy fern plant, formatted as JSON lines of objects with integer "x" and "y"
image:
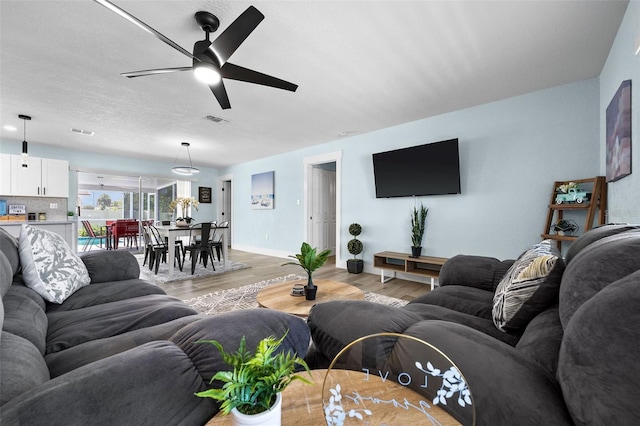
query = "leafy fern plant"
{"x": 256, "y": 379}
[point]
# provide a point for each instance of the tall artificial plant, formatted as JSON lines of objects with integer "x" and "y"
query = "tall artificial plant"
{"x": 418, "y": 221}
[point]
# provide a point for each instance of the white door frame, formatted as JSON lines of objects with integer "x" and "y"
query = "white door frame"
{"x": 220, "y": 195}
{"x": 308, "y": 163}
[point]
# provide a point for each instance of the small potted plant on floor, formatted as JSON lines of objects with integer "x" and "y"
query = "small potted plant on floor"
{"x": 355, "y": 265}
{"x": 252, "y": 391}
{"x": 418, "y": 220}
{"x": 310, "y": 260}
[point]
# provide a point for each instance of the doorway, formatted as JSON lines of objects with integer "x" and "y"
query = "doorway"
{"x": 225, "y": 203}
{"x": 322, "y": 202}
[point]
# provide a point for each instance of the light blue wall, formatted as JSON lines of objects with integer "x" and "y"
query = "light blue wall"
{"x": 511, "y": 153}
{"x": 109, "y": 164}
{"x": 622, "y": 64}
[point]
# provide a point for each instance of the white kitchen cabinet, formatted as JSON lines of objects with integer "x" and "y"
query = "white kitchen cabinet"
{"x": 43, "y": 177}
{"x": 5, "y": 174}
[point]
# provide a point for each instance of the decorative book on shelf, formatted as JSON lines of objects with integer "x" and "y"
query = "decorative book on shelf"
{"x": 586, "y": 197}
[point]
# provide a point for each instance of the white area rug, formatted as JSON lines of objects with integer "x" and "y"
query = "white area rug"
{"x": 200, "y": 272}
{"x": 245, "y": 297}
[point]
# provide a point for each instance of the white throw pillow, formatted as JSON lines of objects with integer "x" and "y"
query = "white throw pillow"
{"x": 49, "y": 266}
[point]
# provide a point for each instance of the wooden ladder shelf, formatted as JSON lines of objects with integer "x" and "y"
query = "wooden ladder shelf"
{"x": 598, "y": 202}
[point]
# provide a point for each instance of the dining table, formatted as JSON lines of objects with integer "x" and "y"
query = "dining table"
{"x": 173, "y": 232}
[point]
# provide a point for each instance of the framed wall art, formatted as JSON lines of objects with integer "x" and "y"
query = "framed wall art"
{"x": 618, "y": 136}
{"x": 204, "y": 194}
{"x": 262, "y": 193}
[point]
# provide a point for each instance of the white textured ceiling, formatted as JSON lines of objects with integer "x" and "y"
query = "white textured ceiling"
{"x": 360, "y": 66}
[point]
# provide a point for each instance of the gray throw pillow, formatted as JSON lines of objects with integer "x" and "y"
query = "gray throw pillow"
{"x": 529, "y": 287}
{"x": 49, "y": 266}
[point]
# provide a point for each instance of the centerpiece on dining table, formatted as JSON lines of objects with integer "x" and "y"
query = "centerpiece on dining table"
{"x": 183, "y": 206}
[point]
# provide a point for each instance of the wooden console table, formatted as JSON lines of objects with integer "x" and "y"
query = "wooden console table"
{"x": 424, "y": 266}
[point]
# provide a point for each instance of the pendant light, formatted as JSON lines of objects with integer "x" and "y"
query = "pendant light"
{"x": 185, "y": 170}
{"x": 25, "y": 149}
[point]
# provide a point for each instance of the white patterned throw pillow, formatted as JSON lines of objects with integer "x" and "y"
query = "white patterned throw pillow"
{"x": 529, "y": 287}
{"x": 49, "y": 266}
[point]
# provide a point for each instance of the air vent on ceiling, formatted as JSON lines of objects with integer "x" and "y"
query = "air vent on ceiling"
{"x": 216, "y": 119}
{"x": 82, "y": 132}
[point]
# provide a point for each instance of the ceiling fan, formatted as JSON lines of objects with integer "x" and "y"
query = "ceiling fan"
{"x": 210, "y": 57}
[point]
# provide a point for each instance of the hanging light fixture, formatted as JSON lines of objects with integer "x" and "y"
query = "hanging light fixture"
{"x": 25, "y": 149}
{"x": 185, "y": 170}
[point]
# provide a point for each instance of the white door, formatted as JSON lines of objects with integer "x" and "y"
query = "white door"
{"x": 225, "y": 212}
{"x": 323, "y": 209}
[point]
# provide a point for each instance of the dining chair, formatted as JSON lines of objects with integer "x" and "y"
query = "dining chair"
{"x": 218, "y": 239}
{"x": 92, "y": 235}
{"x": 200, "y": 248}
{"x": 159, "y": 247}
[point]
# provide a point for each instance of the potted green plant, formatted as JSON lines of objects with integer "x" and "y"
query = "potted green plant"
{"x": 418, "y": 221}
{"x": 309, "y": 260}
{"x": 355, "y": 265}
{"x": 252, "y": 391}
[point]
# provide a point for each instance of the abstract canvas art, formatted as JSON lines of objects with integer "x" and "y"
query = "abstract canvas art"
{"x": 619, "y": 133}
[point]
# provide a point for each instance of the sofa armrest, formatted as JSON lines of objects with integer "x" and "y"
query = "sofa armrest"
{"x": 151, "y": 384}
{"x": 111, "y": 265}
{"x": 473, "y": 271}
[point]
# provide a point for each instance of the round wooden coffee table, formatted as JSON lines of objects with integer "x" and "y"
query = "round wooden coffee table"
{"x": 302, "y": 404}
{"x": 278, "y": 296}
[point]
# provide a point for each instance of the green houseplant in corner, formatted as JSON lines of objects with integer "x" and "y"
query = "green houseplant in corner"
{"x": 254, "y": 386}
{"x": 355, "y": 265}
{"x": 309, "y": 260}
{"x": 418, "y": 220}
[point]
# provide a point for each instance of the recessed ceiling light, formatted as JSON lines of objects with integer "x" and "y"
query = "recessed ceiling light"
{"x": 10, "y": 128}
{"x": 347, "y": 133}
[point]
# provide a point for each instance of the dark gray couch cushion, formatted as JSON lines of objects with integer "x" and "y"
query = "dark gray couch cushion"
{"x": 97, "y": 294}
{"x": 594, "y": 235}
{"x": 70, "y": 328}
{"x": 595, "y": 267}
{"x": 468, "y": 300}
{"x": 491, "y": 368}
{"x": 9, "y": 246}
{"x": 85, "y": 353}
{"x": 22, "y": 368}
{"x": 114, "y": 265}
{"x": 473, "y": 271}
{"x": 24, "y": 317}
{"x": 6, "y": 274}
{"x": 486, "y": 326}
{"x": 542, "y": 338}
{"x": 598, "y": 366}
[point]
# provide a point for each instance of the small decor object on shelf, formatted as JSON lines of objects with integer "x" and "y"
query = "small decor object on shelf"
{"x": 309, "y": 260}
{"x": 355, "y": 265}
{"x": 565, "y": 227}
{"x": 571, "y": 193}
{"x": 254, "y": 387}
{"x": 418, "y": 220}
{"x": 184, "y": 204}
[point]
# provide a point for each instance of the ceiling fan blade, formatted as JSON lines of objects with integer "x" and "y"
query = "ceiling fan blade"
{"x": 220, "y": 92}
{"x": 112, "y": 7}
{"x": 142, "y": 73}
{"x": 235, "y": 72}
{"x": 231, "y": 38}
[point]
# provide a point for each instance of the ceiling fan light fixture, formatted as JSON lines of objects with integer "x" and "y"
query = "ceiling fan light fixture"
{"x": 185, "y": 170}
{"x": 206, "y": 73}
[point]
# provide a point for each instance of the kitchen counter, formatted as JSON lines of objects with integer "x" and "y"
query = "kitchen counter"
{"x": 68, "y": 229}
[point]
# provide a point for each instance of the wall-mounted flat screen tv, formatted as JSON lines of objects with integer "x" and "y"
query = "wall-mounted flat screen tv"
{"x": 430, "y": 169}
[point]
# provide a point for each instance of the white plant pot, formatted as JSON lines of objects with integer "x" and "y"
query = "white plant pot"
{"x": 272, "y": 417}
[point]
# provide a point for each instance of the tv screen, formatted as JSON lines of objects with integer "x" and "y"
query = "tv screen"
{"x": 430, "y": 169}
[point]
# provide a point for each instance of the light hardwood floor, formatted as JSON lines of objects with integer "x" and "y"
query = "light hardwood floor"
{"x": 266, "y": 267}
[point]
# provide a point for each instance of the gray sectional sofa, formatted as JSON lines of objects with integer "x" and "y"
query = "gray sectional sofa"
{"x": 117, "y": 351}
{"x": 572, "y": 358}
